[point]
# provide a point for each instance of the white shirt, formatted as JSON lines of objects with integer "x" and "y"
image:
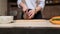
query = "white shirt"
{"x": 31, "y": 4}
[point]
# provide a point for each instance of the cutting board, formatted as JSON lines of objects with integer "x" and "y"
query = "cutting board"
{"x": 24, "y": 21}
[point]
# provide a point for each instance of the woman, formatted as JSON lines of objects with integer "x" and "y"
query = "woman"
{"x": 32, "y": 8}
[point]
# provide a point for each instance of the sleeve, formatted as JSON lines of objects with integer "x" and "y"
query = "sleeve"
{"x": 42, "y": 3}
{"x": 18, "y": 2}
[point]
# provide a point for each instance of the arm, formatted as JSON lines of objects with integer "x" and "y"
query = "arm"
{"x": 40, "y": 6}
{"x": 20, "y": 3}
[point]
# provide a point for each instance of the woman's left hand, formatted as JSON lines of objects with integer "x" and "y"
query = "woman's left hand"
{"x": 31, "y": 14}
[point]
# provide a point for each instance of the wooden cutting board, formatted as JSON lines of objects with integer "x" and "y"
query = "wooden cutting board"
{"x": 24, "y": 21}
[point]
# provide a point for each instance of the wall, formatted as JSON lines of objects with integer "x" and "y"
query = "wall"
{"x": 3, "y": 7}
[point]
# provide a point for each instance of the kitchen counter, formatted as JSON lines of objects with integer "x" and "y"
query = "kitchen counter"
{"x": 29, "y": 23}
{"x": 29, "y": 27}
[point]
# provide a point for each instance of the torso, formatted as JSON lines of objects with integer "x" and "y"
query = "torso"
{"x": 31, "y": 4}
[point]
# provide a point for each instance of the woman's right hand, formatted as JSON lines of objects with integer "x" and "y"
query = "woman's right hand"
{"x": 25, "y": 11}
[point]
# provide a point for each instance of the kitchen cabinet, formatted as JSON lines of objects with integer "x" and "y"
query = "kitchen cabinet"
{"x": 29, "y": 31}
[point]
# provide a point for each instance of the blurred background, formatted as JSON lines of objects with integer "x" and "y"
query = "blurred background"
{"x": 10, "y": 8}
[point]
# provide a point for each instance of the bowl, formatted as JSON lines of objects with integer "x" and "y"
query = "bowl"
{"x": 55, "y": 20}
{"x": 6, "y": 19}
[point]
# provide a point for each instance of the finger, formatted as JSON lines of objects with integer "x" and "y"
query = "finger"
{"x": 30, "y": 13}
{"x": 31, "y": 16}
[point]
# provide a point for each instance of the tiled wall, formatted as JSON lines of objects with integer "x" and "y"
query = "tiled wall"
{"x": 3, "y": 7}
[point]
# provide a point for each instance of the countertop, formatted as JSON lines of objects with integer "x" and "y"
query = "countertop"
{"x": 29, "y": 23}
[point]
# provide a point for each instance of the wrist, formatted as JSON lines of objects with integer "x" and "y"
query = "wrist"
{"x": 24, "y": 7}
{"x": 36, "y": 11}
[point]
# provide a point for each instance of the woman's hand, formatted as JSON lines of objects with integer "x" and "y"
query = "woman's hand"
{"x": 25, "y": 11}
{"x": 31, "y": 14}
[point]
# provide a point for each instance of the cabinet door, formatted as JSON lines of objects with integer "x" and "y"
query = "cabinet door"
{"x": 13, "y": 31}
{"x": 44, "y": 31}
{"x": 37, "y": 31}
